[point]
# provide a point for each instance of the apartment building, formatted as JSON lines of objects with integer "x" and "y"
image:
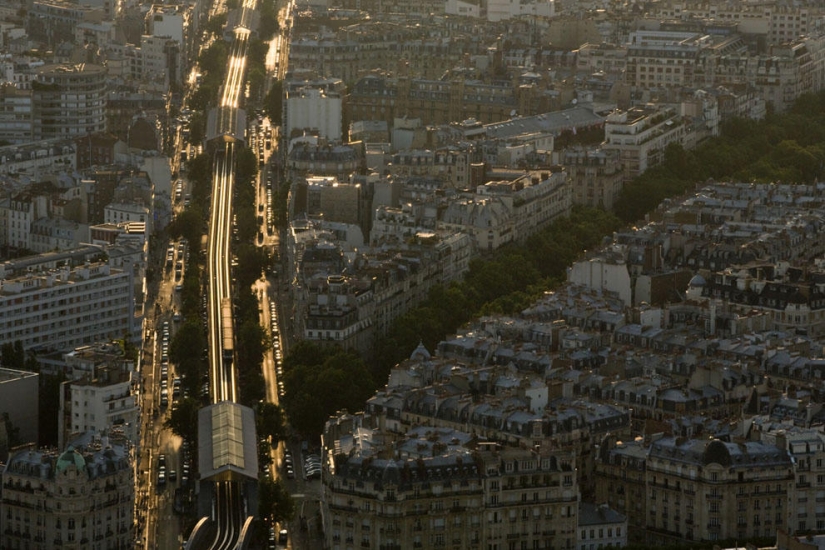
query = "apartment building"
{"x": 501, "y": 10}
{"x": 15, "y": 114}
{"x": 451, "y": 165}
{"x": 81, "y": 498}
{"x": 53, "y": 21}
{"x": 99, "y": 401}
{"x": 332, "y": 200}
{"x": 641, "y": 134}
{"x": 596, "y": 176}
{"x": 621, "y": 484}
{"x": 508, "y": 210}
{"x": 68, "y": 100}
{"x": 430, "y": 491}
{"x": 131, "y": 212}
{"x": 777, "y": 22}
{"x": 434, "y": 101}
{"x": 64, "y": 307}
{"x": 351, "y": 310}
{"x": 601, "y": 527}
{"x": 50, "y": 234}
{"x": 793, "y": 298}
{"x": 699, "y": 490}
{"x": 662, "y": 59}
{"x": 313, "y": 110}
{"x": 311, "y": 158}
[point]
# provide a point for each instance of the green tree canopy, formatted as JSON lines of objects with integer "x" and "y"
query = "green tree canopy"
{"x": 273, "y": 102}
{"x": 197, "y": 128}
{"x": 321, "y": 380}
{"x": 186, "y": 351}
{"x": 254, "y": 261}
{"x": 183, "y": 419}
{"x": 270, "y": 421}
{"x": 274, "y": 501}
{"x": 189, "y": 225}
{"x": 216, "y": 24}
{"x": 504, "y": 282}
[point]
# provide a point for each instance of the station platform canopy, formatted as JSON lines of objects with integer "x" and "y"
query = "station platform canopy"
{"x": 227, "y": 443}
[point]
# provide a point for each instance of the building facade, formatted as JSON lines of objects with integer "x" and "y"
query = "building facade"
{"x": 81, "y": 498}
{"x": 700, "y": 490}
{"x": 489, "y": 498}
{"x": 100, "y": 401}
{"x": 65, "y": 308}
{"x": 68, "y": 100}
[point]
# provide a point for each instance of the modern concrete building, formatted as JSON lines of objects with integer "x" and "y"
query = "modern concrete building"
{"x": 314, "y": 110}
{"x": 120, "y": 212}
{"x": 63, "y": 308}
{"x": 333, "y": 200}
{"x": 15, "y": 114}
{"x": 641, "y": 135}
{"x": 166, "y": 20}
{"x": 100, "y": 401}
{"x": 81, "y": 498}
{"x": 500, "y": 10}
{"x": 68, "y": 100}
{"x": 51, "y": 22}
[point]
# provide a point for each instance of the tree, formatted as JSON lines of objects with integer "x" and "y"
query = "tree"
{"x": 264, "y": 454}
{"x": 204, "y": 97}
{"x": 189, "y": 225}
{"x": 200, "y": 175}
{"x": 191, "y": 292}
{"x": 128, "y": 349}
{"x": 321, "y": 381}
{"x": 186, "y": 351}
{"x": 252, "y": 261}
{"x": 213, "y": 62}
{"x": 505, "y": 281}
{"x": 216, "y": 24}
{"x": 197, "y": 128}
{"x": 183, "y": 420}
{"x": 246, "y": 165}
{"x": 270, "y": 421}
{"x": 273, "y": 103}
{"x": 268, "y": 24}
{"x": 274, "y": 501}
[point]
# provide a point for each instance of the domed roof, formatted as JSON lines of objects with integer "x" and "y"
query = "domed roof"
{"x": 391, "y": 473}
{"x": 420, "y": 353}
{"x": 697, "y": 280}
{"x": 716, "y": 452}
{"x": 68, "y": 458}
